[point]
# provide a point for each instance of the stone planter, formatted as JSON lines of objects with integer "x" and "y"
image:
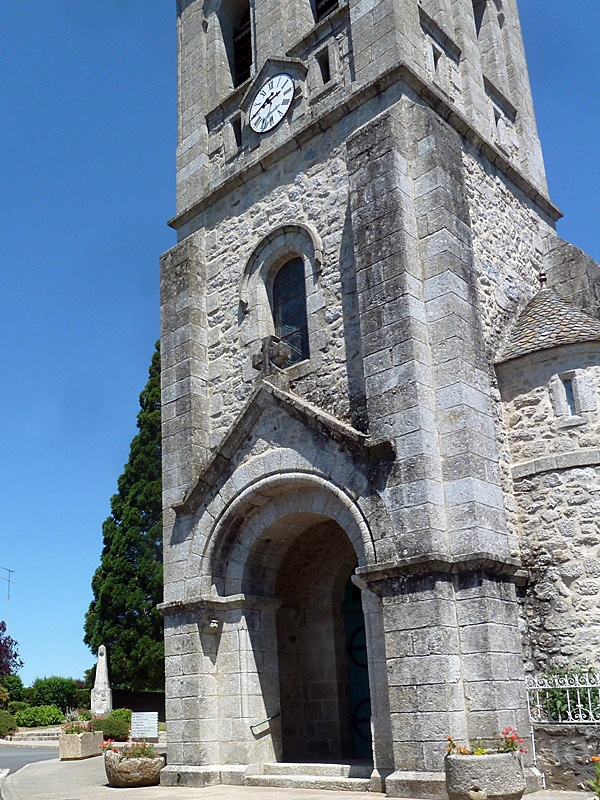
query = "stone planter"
{"x": 495, "y": 776}
{"x": 128, "y": 772}
{"x": 72, "y": 746}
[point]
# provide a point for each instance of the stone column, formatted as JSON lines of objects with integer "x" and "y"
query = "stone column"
{"x": 427, "y": 381}
{"x": 221, "y": 679}
{"x": 424, "y": 678}
{"x": 397, "y": 359}
{"x": 191, "y": 699}
{"x": 184, "y": 395}
{"x": 383, "y": 753}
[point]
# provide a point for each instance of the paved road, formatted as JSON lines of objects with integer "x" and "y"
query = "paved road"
{"x": 13, "y": 758}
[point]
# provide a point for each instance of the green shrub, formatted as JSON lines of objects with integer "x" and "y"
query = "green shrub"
{"x": 7, "y": 723}
{"x": 17, "y": 705}
{"x": 28, "y": 695}
{"x": 38, "y": 716}
{"x": 13, "y": 685}
{"x": 83, "y": 699}
{"x": 112, "y": 727}
{"x": 57, "y": 691}
{"x": 123, "y": 713}
{"x": 85, "y": 713}
{"x": 4, "y": 697}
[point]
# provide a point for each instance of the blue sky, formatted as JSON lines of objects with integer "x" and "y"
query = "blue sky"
{"x": 87, "y": 152}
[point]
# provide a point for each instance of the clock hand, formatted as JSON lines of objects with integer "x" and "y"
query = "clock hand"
{"x": 260, "y": 108}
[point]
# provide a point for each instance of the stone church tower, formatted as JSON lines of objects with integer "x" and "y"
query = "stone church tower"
{"x": 369, "y": 403}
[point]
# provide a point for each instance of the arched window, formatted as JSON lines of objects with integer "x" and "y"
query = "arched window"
{"x": 289, "y": 309}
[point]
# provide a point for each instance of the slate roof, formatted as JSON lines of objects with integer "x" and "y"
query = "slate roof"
{"x": 549, "y": 321}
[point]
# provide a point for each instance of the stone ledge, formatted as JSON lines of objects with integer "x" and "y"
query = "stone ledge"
{"x": 587, "y": 457}
{"x": 416, "y": 784}
{"x": 216, "y": 604}
{"x": 420, "y": 565}
{"x": 197, "y": 777}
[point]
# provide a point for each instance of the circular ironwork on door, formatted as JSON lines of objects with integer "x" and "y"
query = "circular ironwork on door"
{"x": 357, "y": 646}
{"x": 361, "y": 720}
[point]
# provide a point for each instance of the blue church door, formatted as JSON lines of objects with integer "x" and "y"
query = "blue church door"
{"x": 358, "y": 673}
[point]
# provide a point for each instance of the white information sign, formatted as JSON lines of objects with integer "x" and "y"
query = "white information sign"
{"x": 144, "y": 725}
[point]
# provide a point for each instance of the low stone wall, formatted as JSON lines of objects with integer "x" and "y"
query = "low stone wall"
{"x": 563, "y": 754}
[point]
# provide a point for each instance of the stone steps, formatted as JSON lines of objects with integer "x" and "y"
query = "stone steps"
{"x": 318, "y": 782}
{"x": 50, "y": 734}
{"x": 336, "y": 777}
{"x": 349, "y": 770}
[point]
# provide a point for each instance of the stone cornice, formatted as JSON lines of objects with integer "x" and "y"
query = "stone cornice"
{"x": 254, "y": 166}
{"x": 449, "y": 565}
{"x": 586, "y": 457}
{"x": 215, "y": 604}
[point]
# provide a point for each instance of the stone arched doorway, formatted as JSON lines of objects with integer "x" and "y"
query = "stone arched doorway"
{"x": 320, "y": 638}
{"x": 281, "y": 556}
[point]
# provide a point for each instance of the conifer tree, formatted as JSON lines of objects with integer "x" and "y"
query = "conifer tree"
{"x": 128, "y": 583}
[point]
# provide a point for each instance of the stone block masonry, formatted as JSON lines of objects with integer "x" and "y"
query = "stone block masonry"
{"x": 344, "y": 537}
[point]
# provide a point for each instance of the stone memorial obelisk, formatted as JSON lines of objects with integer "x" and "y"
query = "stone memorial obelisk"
{"x": 101, "y": 704}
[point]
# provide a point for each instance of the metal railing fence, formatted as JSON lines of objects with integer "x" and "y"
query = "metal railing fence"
{"x": 564, "y": 697}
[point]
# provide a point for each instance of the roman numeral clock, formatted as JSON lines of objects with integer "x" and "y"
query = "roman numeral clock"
{"x": 272, "y": 102}
{"x": 276, "y": 93}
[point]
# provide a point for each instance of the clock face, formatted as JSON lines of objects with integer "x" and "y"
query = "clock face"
{"x": 271, "y": 103}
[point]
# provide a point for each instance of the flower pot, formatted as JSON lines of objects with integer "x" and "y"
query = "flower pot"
{"x": 124, "y": 772}
{"x": 72, "y": 746}
{"x": 494, "y": 776}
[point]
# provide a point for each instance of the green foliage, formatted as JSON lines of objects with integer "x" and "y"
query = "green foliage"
{"x": 17, "y": 705}
{"x": 13, "y": 685}
{"x": 139, "y": 750}
{"x": 62, "y": 692}
{"x": 4, "y": 697}
{"x": 83, "y": 699}
{"x": 123, "y": 713}
{"x": 38, "y": 716}
{"x": 28, "y": 695}
{"x": 128, "y": 583}
{"x": 8, "y": 723}
{"x": 595, "y": 784}
{"x": 557, "y": 701}
{"x": 89, "y": 676}
{"x": 112, "y": 727}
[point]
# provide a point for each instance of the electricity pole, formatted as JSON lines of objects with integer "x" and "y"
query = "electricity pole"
{"x": 10, "y": 583}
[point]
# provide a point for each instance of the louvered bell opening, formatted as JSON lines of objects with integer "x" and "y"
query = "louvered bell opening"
{"x": 242, "y": 50}
{"x": 323, "y": 7}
